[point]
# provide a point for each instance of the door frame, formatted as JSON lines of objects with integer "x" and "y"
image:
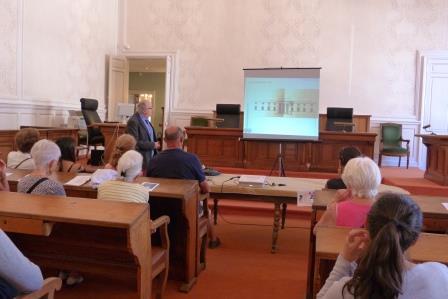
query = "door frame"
{"x": 171, "y": 59}
{"x": 424, "y": 59}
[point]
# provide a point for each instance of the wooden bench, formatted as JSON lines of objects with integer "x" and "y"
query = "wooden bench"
{"x": 179, "y": 199}
{"x": 330, "y": 241}
{"x": 102, "y": 238}
{"x": 435, "y": 220}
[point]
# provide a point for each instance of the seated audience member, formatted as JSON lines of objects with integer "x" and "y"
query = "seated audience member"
{"x": 123, "y": 144}
{"x": 123, "y": 189}
{"x": 17, "y": 273}
{"x": 4, "y": 185}
{"x": 174, "y": 163}
{"x": 383, "y": 271}
{"x": 362, "y": 178}
{"x": 46, "y": 155}
{"x": 21, "y": 159}
{"x": 67, "y": 162}
{"x": 345, "y": 155}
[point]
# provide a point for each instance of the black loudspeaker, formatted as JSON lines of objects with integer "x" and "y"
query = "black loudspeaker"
{"x": 96, "y": 157}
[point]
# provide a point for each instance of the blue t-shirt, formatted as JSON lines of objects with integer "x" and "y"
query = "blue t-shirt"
{"x": 176, "y": 164}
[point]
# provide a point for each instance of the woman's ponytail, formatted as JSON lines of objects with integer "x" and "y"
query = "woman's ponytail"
{"x": 394, "y": 224}
{"x": 378, "y": 274}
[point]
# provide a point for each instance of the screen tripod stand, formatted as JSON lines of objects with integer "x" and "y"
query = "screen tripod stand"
{"x": 281, "y": 173}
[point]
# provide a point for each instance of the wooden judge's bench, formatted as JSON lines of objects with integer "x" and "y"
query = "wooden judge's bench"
{"x": 225, "y": 147}
{"x": 436, "y": 158}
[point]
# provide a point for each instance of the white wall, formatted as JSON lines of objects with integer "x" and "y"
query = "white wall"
{"x": 367, "y": 49}
{"x": 52, "y": 53}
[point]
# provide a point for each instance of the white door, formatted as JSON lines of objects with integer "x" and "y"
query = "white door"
{"x": 434, "y": 96}
{"x": 118, "y": 85}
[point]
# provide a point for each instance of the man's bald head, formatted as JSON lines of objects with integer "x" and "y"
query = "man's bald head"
{"x": 174, "y": 137}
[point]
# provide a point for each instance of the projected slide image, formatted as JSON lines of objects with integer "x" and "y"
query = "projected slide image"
{"x": 283, "y": 127}
{"x": 281, "y": 106}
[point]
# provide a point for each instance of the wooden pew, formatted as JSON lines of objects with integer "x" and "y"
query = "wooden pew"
{"x": 330, "y": 241}
{"x": 102, "y": 238}
{"x": 179, "y": 199}
{"x": 435, "y": 220}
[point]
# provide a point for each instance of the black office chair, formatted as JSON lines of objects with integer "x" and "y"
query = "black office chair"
{"x": 230, "y": 113}
{"x": 94, "y": 135}
{"x": 340, "y": 119}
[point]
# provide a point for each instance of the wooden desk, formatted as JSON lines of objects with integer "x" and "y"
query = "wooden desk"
{"x": 362, "y": 122}
{"x": 179, "y": 199}
{"x": 114, "y": 243}
{"x": 7, "y": 137}
{"x": 436, "y": 158}
{"x": 110, "y": 131}
{"x": 222, "y": 188}
{"x": 435, "y": 219}
{"x": 330, "y": 241}
{"x": 224, "y": 147}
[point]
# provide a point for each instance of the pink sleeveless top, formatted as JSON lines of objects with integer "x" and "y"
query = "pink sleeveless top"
{"x": 351, "y": 214}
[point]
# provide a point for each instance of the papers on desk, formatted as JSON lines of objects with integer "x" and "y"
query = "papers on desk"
{"x": 78, "y": 180}
{"x": 305, "y": 198}
{"x": 8, "y": 173}
{"x": 445, "y": 205}
{"x": 150, "y": 186}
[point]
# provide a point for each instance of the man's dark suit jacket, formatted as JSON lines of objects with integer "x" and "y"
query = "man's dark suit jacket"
{"x": 145, "y": 146}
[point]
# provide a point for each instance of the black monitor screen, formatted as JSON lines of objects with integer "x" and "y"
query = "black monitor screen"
{"x": 339, "y": 113}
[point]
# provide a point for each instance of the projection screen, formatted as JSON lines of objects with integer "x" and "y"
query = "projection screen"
{"x": 281, "y": 104}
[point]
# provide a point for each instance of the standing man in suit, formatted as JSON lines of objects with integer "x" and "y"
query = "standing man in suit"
{"x": 141, "y": 128}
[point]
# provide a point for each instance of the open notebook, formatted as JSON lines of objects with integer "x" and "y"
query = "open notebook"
{"x": 78, "y": 180}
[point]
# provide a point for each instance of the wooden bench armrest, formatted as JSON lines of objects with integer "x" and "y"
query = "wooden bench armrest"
{"x": 162, "y": 224}
{"x": 162, "y": 220}
{"x": 49, "y": 286}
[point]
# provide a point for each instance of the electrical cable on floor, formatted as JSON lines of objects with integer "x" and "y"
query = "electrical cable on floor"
{"x": 254, "y": 224}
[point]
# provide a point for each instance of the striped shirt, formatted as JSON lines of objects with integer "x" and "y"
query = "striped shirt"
{"x": 123, "y": 191}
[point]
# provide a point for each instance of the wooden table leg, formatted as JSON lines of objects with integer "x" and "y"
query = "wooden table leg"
{"x": 215, "y": 211}
{"x": 276, "y": 227}
{"x": 186, "y": 286}
{"x": 311, "y": 256}
{"x": 284, "y": 206}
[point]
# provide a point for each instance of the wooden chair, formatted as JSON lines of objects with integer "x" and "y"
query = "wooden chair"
{"x": 50, "y": 285}
{"x": 160, "y": 256}
{"x": 391, "y": 143}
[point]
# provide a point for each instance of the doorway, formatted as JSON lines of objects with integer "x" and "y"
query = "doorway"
{"x": 142, "y": 76}
{"x": 147, "y": 81}
{"x": 433, "y": 94}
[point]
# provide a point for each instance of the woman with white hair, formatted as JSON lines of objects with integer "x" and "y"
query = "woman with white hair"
{"x": 362, "y": 178}
{"x": 124, "y": 189}
{"x": 45, "y": 154}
